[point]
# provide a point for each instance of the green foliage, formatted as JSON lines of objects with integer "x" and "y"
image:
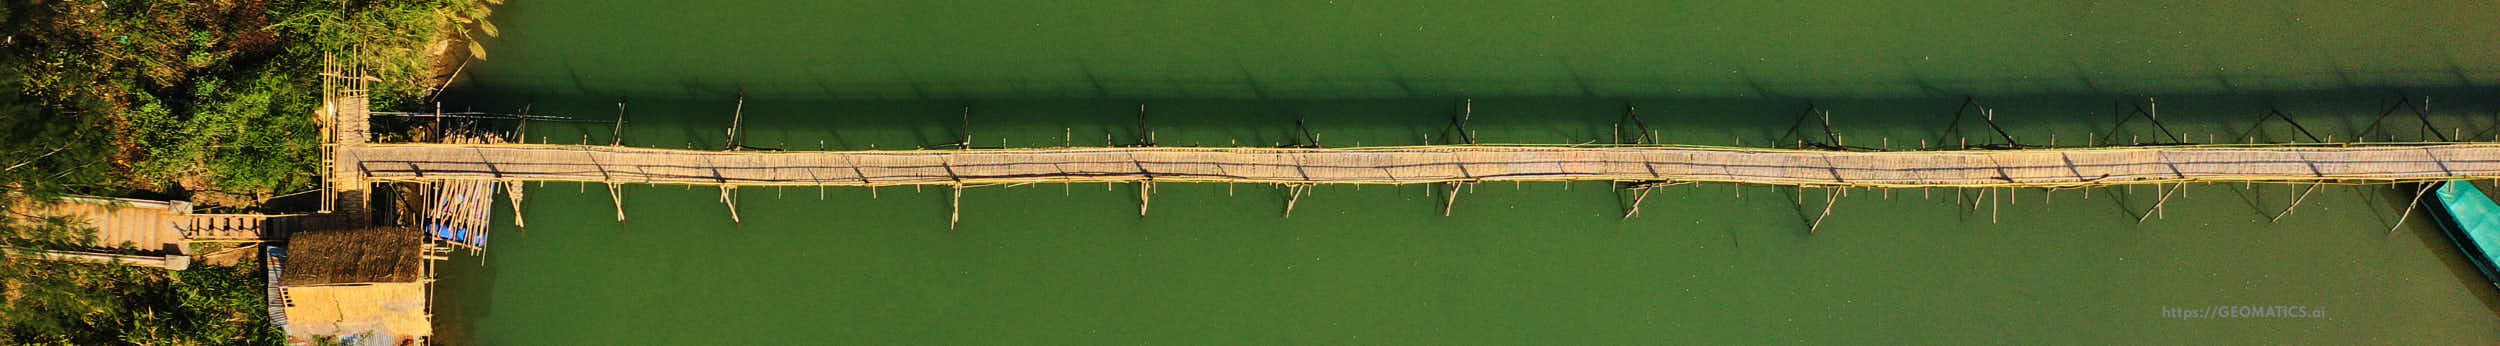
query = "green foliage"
{"x": 252, "y": 136}
{"x": 44, "y": 151}
{"x": 394, "y": 40}
{"x": 105, "y": 97}
{"x": 214, "y": 95}
{"x": 249, "y": 150}
{"x": 94, "y": 304}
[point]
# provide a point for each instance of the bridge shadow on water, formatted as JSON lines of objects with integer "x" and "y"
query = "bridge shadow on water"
{"x": 2383, "y": 115}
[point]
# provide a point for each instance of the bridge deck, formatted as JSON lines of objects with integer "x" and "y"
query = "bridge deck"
{"x": 1398, "y": 165}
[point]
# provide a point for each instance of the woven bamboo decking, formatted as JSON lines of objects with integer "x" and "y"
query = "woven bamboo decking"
{"x": 1428, "y": 164}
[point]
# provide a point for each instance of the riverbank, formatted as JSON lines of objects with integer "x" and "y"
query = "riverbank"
{"x": 203, "y": 101}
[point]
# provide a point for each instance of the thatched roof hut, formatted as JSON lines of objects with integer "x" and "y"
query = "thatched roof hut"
{"x": 357, "y": 284}
{"x": 354, "y": 256}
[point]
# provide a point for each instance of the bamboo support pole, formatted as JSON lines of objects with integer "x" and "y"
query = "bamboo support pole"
{"x": 512, "y": 190}
{"x": 729, "y": 196}
{"x": 1829, "y": 200}
{"x": 1635, "y": 210}
{"x": 2417, "y": 201}
{"x": 618, "y": 196}
{"x": 1145, "y": 197}
{"x": 737, "y": 116}
{"x": 2157, "y": 203}
{"x": 955, "y": 208}
{"x": 616, "y": 134}
{"x": 1293, "y": 194}
{"x": 1452, "y": 204}
{"x": 2304, "y": 195}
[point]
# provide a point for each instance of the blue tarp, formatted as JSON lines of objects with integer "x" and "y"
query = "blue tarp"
{"x": 458, "y": 235}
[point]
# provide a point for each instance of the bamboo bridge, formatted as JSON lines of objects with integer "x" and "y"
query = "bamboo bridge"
{"x": 351, "y": 163}
{"x": 1426, "y": 164}
{"x": 1456, "y": 166}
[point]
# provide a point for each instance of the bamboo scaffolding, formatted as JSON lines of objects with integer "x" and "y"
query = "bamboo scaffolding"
{"x": 462, "y": 210}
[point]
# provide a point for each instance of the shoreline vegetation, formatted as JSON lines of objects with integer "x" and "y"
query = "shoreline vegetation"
{"x": 208, "y": 101}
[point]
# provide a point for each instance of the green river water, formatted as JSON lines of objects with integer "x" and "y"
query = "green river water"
{"x": 1535, "y": 263}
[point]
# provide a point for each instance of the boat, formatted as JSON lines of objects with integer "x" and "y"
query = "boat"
{"x": 2472, "y": 220}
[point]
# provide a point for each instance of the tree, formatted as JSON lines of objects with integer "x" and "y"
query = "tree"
{"x": 57, "y": 302}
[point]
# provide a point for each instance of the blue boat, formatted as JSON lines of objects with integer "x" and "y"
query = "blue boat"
{"x": 2471, "y": 220}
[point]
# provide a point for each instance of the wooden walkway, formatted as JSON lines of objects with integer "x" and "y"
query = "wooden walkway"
{"x": 1433, "y": 164}
{"x": 140, "y": 224}
{"x": 161, "y": 226}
